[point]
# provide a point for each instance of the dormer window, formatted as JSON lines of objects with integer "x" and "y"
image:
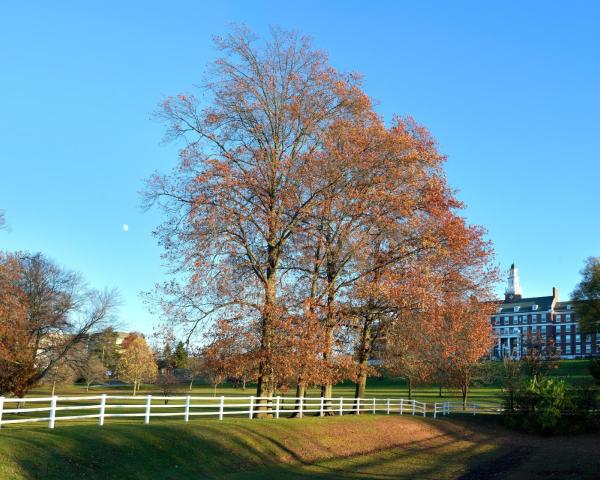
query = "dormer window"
{"x": 535, "y": 307}
{"x": 517, "y": 308}
{"x": 569, "y": 306}
{"x": 499, "y": 310}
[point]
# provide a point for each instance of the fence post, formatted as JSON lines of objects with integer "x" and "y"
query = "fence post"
{"x": 1, "y": 408}
{"x": 187, "y": 409}
{"x": 388, "y": 406}
{"x": 300, "y": 413}
{"x": 321, "y": 408}
{"x": 401, "y": 406}
{"x": 102, "y": 409}
{"x": 148, "y": 407}
{"x": 474, "y": 408}
{"x": 434, "y": 409}
{"x": 374, "y": 400}
{"x": 52, "y": 412}
{"x": 358, "y": 406}
{"x": 413, "y": 409}
{"x": 277, "y": 400}
{"x": 221, "y": 405}
{"x": 251, "y": 411}
{"x": 424, "y": 409}
{"x": 341, "y": 406}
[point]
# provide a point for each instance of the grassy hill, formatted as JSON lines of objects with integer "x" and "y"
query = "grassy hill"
{"x": 369, "y": 446}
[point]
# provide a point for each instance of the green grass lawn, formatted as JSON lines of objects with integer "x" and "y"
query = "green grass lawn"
{"x": 350, "y": 447}
{"x": 573, "y": 372}
{"x": 366, "y": 446}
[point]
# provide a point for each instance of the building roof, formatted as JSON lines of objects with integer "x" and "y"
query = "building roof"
{"x": 562, "y": 306}
{"x": 526, "y": 304}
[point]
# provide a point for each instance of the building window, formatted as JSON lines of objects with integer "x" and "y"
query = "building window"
{"x": 568, "y": 319}
{"x": 568, "y": 338}
{"x": 578, "y": 338}
{"x": 568, "y": 350}
{"x": 558, "y": 318}
{"x": 558, "y": 327}
{"x": 577, "y": 348}
{"x": 544, "y": 317}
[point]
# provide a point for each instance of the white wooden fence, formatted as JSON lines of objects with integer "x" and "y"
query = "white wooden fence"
{"x": 53, "y": 409}
{"x": 448, "y": 407}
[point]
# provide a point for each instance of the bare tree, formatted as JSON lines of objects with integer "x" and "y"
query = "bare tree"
{"x": 91, "y": 369}
{"x": 60, "y": 312}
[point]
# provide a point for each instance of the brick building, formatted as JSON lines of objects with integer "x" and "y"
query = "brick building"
{"x": 521, "y": 323}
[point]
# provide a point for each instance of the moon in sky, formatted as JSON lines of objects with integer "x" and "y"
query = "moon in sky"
{"x": 125, "y": 227}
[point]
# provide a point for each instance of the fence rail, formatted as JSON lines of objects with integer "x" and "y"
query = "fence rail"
{"x": 448, "y": 407}
{"x": 102, "y": 407}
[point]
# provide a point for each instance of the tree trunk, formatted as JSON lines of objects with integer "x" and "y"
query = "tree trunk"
{"x": 327, "y": 389}
{"x": 300, "y": 394}
{"x": 191, "y": 384}
{"x": 440, "y": 392}
{"x": 53, "y": 387}
{"x": 264, "y": 389}
{"x": 330, "y": 321}
{"x": 465, "y": 392}
{"x": 364, "y": 352}
{"x": 409, "y": 381}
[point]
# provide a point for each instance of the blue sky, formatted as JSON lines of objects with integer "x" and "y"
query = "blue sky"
{"x": 509, "y": 89}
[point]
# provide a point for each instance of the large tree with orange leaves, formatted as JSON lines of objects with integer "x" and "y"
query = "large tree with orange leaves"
{"x": 294, "y": 203}
{"x": 246, "y": 182}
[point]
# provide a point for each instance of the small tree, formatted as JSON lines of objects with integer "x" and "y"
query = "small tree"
{"x": 586, "y": 296}
{"x": 91, "y": 370}
{"x": 180, "y": 356}
{"x": 511, "y": 378}
{"x": 196, "y": 368}
{"x": 137, "y": 363}
{"x": 407, "y": 351}
{"x": 104, "y": 346}
{"x": 168, "y": 384}
{"x": 541, "y": 358}
{"x": 62, "y": 373}
{"x": 464, "y": 339}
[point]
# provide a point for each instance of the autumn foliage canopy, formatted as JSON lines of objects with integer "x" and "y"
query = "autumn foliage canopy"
{"x": 305, "y": 234}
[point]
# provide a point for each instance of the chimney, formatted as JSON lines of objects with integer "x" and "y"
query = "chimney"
{"x": 555, "y": 293}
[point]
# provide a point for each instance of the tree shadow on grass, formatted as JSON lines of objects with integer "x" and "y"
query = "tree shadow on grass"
{"x": 459, "y": 447}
